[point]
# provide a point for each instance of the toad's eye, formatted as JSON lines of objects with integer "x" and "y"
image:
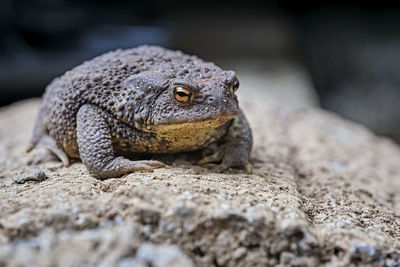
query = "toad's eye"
{"x": 234, "y": 87}
{"x": 183, "y": 95}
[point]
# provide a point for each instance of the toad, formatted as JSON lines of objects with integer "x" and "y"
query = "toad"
{"x": 144, "y": 100}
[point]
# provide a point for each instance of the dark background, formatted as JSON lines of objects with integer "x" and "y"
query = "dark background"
{"x": 350, "y": 50}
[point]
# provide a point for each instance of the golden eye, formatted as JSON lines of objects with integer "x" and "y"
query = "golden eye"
{"x": 234, "y": 87}
{"x": 183, "y": 94}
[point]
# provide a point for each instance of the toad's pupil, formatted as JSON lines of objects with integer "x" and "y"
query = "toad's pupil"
{"x": 182, "y": 94}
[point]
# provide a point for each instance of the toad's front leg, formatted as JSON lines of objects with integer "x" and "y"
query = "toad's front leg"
{"x": 95, "y": 147}
{"x": 234, "y": 148}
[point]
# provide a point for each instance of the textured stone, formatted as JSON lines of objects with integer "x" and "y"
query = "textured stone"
{"x": 324, "y": 192}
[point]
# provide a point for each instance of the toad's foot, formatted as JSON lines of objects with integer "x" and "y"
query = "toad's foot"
{"x": 120, "y": 166}
{"x": 228, "y": 156}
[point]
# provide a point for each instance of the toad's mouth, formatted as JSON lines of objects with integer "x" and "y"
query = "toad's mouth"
{"x": 212, "y": 122}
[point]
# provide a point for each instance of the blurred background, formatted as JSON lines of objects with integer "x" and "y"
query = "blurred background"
{"x": 343, "y": 56}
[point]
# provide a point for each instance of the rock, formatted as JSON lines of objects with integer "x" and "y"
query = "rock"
{"x": 162, "y": 256}
{"x": 36, "y": 175}
{"x": 324, "y": 192}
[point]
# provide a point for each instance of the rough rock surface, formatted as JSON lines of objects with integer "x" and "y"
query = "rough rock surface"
{"x": 324, "y": 192}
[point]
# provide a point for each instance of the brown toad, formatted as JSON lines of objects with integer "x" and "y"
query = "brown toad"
{"x": 143, "y": 100}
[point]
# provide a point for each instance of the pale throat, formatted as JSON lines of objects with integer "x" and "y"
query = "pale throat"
{"x": 193, "y": 135}
{"x": 190, "y": 138}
